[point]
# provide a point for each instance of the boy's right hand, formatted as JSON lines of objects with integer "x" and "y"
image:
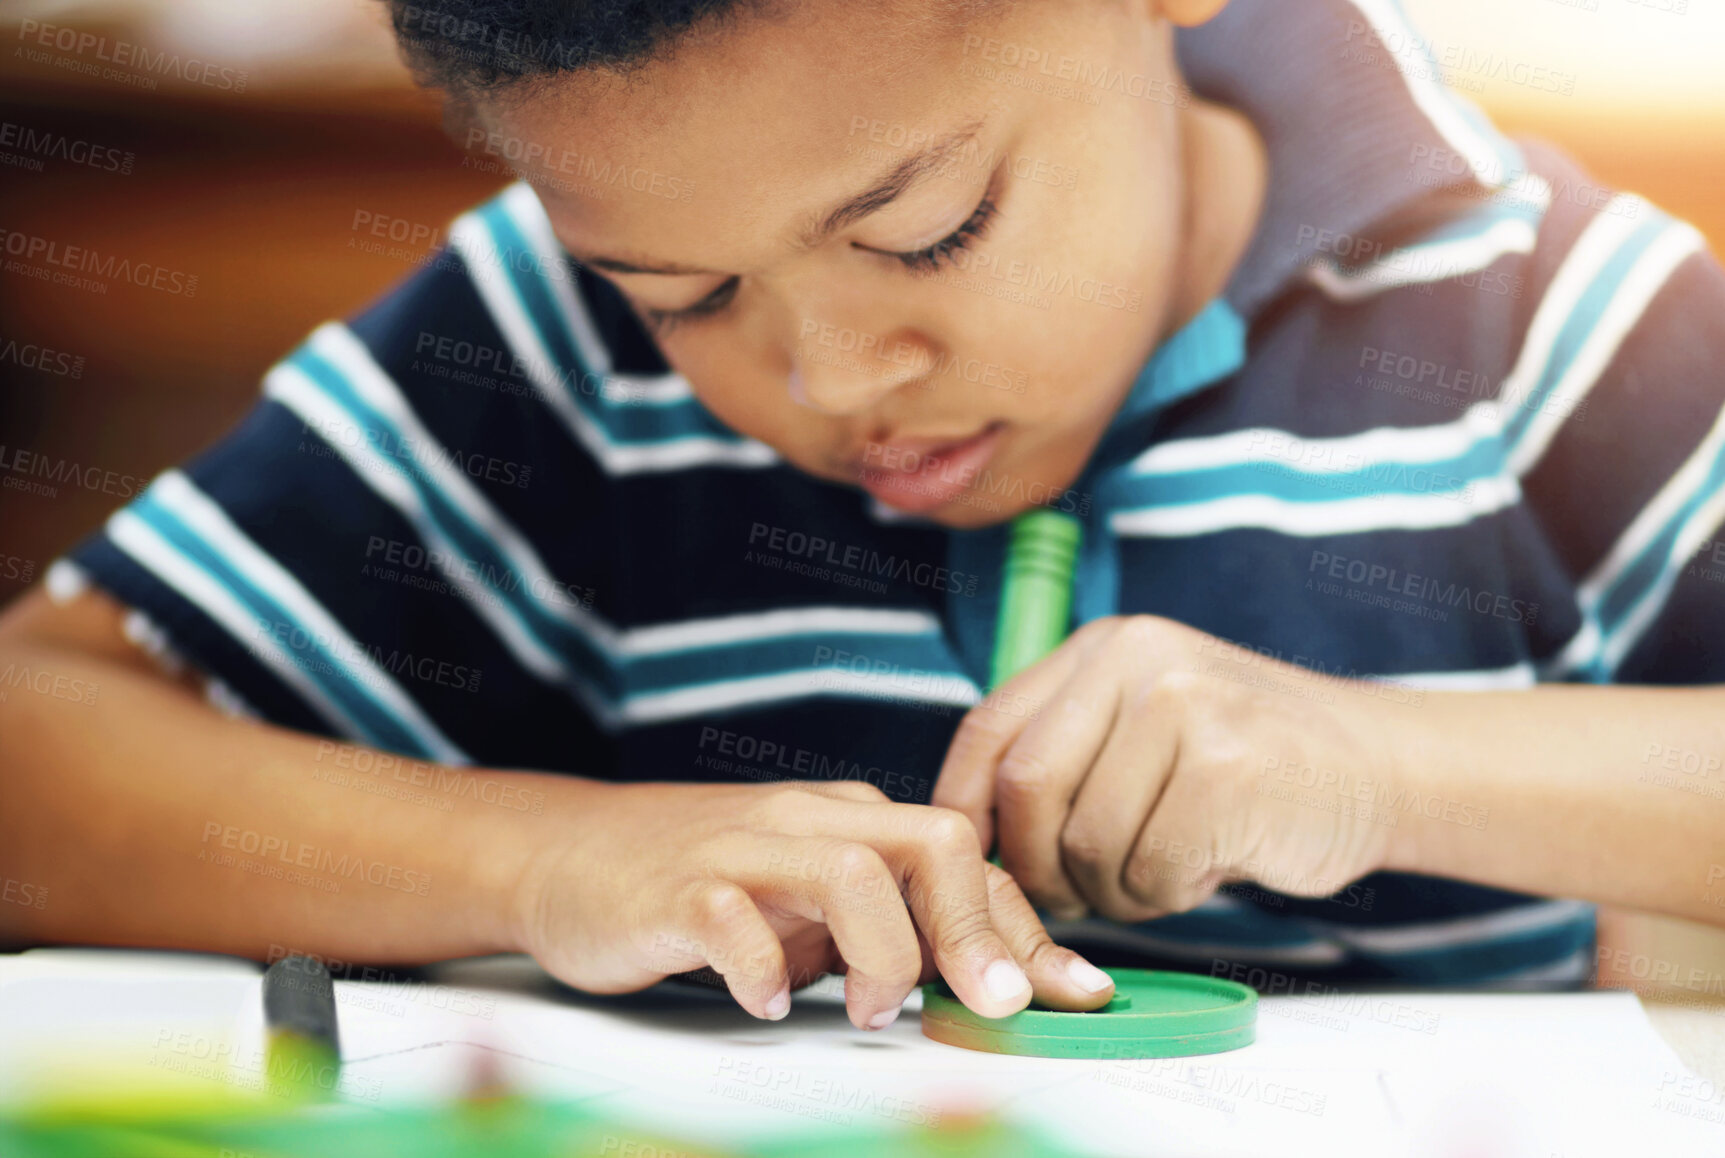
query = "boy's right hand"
{"x": 772, "y": 885}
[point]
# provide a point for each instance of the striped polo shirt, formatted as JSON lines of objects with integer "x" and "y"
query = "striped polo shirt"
{"x": 1454, "y": 424}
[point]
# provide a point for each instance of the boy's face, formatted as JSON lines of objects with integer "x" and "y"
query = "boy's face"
{"x": 914, "y": 253}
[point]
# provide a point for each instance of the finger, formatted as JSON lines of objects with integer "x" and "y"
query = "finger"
{"x": 860, "y": 791}
{"x": 1061, "y": 978}
{"x": 1116, "y": 802}
{"x": 936, "y": 858}
{"x": 724, "y": 929}
{"x": 966, "y": 779}
{"x": 1174, "y": 864}
{"x": 940, "y": 867}
{"x": 1041, "y": 775}
{"x": 848, "y": 886}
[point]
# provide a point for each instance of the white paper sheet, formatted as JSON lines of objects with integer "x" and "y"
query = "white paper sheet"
{"x": 1373, "y": 1074}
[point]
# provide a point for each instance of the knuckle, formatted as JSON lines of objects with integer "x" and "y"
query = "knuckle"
{"x": 967, "y": 934}
{"x": 854, "y": 862}
{"x": 1172, "y": 691}
{"x": 950, "y": 829}
{"x": 1023, "y": 773}
{"x": 722, "y": 904}
{"x": 1139, "y": 632}
{"x": 1003, "y": 886}
{"x": 1082, "y": 847}
{"x": 902, "y": 963}
{"x": 1044, "y": 956}
{"x": 1145, "y": 879}
{"x": 864, "y": 791}
{"x": 785, "y": 800}
{"x": 1000, "y": 882}
{"x": 1168, "y": 891}
{"x": 1106, "y": 625}
{"x": 981, "y": 727}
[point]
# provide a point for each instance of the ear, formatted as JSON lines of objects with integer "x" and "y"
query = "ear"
{"x": 1188, "y": 12}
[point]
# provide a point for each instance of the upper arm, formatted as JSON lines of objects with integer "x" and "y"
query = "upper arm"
{"x": 1620, "y": 445}
{"x": 88, "y": 623}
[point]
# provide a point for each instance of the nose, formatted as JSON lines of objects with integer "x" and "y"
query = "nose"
{"x": 850, "y": 347}
{"x": 843, "y": 370}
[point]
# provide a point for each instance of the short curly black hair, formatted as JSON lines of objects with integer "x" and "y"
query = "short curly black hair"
{"x": 471, "y": 48}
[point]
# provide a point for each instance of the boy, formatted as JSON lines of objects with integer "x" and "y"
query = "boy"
{"x": 686, "y": 474}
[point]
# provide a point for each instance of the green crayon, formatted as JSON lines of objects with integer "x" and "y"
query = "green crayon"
{"x": 1036, "y": 591}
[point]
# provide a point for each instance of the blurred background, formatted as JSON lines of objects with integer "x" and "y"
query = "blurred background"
{"x": 253, "y": 170}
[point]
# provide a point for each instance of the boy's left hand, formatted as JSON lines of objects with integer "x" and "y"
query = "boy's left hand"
{"x": 1159, "y": 762}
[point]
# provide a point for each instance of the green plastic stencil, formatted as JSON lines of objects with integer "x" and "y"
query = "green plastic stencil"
{"x": 1152, "y": 1014}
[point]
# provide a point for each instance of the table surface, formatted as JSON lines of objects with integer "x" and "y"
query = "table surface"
{"x": 1693, "y": 1025}
{"x": 1389, "y": 1073}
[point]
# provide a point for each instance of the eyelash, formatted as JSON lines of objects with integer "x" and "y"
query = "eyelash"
{"x": 927, "y": 260}
{"x": 664, "y": 321}
{"x": 921, "y": 261}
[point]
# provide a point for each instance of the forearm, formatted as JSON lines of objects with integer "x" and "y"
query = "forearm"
{"x": 1608, "y": 794}
{"x": 150, "y": 819}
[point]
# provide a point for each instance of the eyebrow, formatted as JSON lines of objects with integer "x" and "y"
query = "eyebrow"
{"x": 877, "y": 197}
{"x": 891, "y": 187}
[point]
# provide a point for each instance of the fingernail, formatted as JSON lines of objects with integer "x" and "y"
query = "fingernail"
{"x": 1087, "y": 976}
{"x": 1003, "y": 981}
{"x": 780, "y": 1004}
{"x": 884, "y": 1018}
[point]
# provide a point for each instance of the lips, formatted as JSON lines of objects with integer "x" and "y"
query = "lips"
{"x": 918, "y": 475}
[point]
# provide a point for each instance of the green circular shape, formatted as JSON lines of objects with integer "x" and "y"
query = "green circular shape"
{"x": 1152, "y": 1014}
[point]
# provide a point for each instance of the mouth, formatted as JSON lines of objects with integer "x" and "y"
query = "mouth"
{"x": 918, "y": 475}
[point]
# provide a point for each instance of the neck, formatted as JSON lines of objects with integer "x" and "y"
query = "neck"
{"x": 1228, "y": 171}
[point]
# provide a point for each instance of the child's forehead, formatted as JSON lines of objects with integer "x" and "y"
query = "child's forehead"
{"x": 776, "y": 58}
{"x": 766, "y": 118}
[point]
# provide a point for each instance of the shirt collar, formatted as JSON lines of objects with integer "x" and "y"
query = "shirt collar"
{"x": 1204, "y": 351}
{"x": 1356, "y": 136}
{"x": 1357, "y": 123}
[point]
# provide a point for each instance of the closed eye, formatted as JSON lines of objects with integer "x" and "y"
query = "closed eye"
{"x": 931, "y": 258}
{"x": 924, "y": 260}
{"x": 664, "y": 321}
